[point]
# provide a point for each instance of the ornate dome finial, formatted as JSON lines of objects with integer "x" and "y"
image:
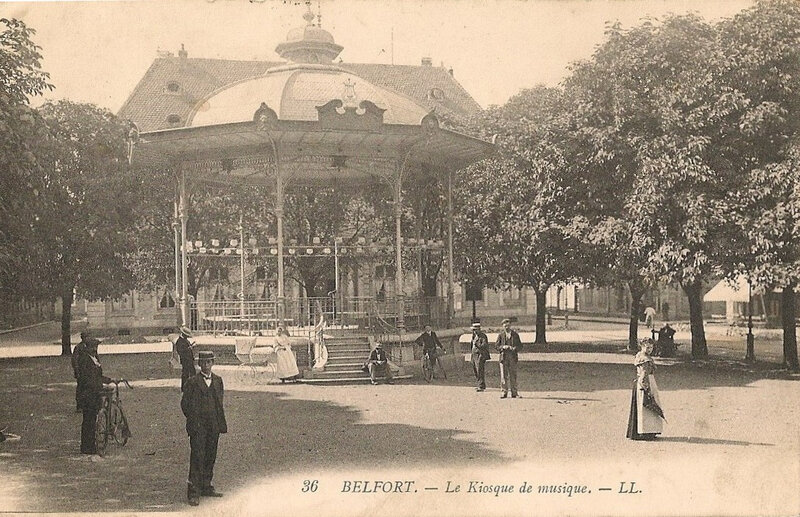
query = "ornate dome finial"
{"x": 309, "y": 44}
{"x": 308, "y": 16}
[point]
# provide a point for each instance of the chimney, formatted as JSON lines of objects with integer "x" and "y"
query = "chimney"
{"x": 182, "y": 52}
{"x": 426, "y": 61}
{"x": 450, "y": 71}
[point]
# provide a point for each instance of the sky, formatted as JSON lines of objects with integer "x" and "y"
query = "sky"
{"x": 98, "y": 51}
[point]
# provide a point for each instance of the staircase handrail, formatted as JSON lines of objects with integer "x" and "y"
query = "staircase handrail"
{"x": 320, "y": 356}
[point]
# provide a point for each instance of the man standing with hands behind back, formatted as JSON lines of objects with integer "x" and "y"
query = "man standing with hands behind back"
{"x": 205, "y": 420}
{"x": 508, "y": 344}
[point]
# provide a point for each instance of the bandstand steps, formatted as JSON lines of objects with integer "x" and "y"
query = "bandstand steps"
{"x": 346, "y": 357}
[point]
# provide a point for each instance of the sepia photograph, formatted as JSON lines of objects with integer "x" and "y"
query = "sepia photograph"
{"x": 400, "y": 257}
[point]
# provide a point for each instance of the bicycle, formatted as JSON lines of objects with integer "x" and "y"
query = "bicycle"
{"x": 428, "y": 366}
{"x": 111, "y": 420}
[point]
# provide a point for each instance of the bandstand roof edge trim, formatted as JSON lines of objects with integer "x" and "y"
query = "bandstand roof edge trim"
{"x": 200, "y": 146}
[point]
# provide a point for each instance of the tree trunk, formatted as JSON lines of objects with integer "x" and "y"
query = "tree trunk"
{"x": 66, "y": 321}
{"x": 541, "y": 313}
{"x": 694, "y": 292}
{"x": 789, "y": 329}
{"x": 633, "y": 328}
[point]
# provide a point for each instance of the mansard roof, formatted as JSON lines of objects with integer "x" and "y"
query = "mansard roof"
{"x": 172, "y": 87}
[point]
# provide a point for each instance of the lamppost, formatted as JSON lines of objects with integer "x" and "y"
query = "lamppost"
{"x": 751, "y": 353}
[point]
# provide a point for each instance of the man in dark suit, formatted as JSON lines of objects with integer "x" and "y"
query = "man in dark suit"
{"x": 508, "y": 344}
{"x": 90, "y": 392}
{"x": 480, "y": 354}
{"x": 184, "y": 349}
{"x": 205, "y": 420}
{"x": 378, "y": 362}
{"x": 79, "y": 349}
{"x": 429, "y": 342}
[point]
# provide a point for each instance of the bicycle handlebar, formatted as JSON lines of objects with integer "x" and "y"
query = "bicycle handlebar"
{"x": 117, "y": 382}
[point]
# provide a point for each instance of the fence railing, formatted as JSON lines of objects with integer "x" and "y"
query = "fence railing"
{"x": 353, "y": 313}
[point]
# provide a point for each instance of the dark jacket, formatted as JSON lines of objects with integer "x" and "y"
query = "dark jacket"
{"x": 378, "y": 355}
{"x": 480, "y": 346}
{"x": 513, "y": 341}
{"x": 90, "y": 382}
{"x": 184, "y": 350}
{"x": 428, "y": 341}
{"x": 202, "y": 405}
{"x": 79, "y": 349}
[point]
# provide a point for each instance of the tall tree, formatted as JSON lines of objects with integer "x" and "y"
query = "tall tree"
{"x": 79, "y": 234}
{"x": 21, "y": 78}
{"x": 761, "y": 47}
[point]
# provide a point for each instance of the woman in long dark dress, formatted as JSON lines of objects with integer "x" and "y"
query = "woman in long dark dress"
{"x": 646, "y": 419}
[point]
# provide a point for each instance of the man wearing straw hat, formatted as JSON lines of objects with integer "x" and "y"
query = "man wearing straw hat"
{"x": 205, "y": 420}
{"x": 184, "y": 349}
{"x": 480, "y": 354}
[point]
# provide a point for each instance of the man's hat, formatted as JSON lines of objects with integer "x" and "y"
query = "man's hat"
{"x": 185, "y": 331}
{"x": 378, "y": 344}
{"x": 205, "y": 355}
{"x": 476, "y": 325}
{"x": 506, "y": 321}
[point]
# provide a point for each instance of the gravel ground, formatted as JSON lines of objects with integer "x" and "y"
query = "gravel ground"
{"x": 731, "y": 445}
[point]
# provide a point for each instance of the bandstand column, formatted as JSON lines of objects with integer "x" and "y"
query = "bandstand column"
{"x": 451, "y": 284}
{"x": 184, "y": 216}
{"x": 398, "y": 272}
{"x": 279, "y": 195}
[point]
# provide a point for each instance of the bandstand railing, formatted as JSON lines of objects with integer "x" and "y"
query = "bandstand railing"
{"x": 365, "y": 314}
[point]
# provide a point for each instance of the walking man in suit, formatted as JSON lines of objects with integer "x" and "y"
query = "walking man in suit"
{"x": 480, "y": 354}
{"x": 508, "y": 344}
{"x": 184, "y": 348}
{"x": 205, "y": 420}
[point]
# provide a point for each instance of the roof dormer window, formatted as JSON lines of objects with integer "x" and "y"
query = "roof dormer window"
{"x": 173, "y": 87}
{"x": 436, "y": 94}
{"x": 174, "y": 119}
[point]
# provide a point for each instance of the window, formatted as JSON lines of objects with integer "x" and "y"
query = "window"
{"x": 166, "y": 300}
{"x": 436, "y": 93}
{"x": 122, "y": 304}
{"x": 174, "y": 119}
{"x": 511, "y": 296}
{"x": 173, "y": 87}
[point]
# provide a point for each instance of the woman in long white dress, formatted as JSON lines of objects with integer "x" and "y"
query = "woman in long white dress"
{"x": 646, "y": 419}
{"x": 286, "y": 364}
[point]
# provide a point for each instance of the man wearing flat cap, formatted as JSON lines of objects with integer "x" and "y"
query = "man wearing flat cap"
{"x": 205, "y": 421}
{"x": 508, "y": 344}
{"x": 184, "y": 349}
{"x": 480, "y": 354}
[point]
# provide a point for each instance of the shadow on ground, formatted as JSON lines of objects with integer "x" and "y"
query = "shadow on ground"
{"x": 269, "y": 435}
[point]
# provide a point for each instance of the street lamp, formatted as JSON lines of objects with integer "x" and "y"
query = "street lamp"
{"x": 751, "y": 353}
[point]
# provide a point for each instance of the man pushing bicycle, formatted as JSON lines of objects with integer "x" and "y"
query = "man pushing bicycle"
{"x": 430, "y": 342}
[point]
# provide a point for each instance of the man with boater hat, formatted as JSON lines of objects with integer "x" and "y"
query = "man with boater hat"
{"x": 480, "y": 354}
{"x": 508, "y": 344}
{"x": 205, "y": 420}
{"x": 184, "y": 349}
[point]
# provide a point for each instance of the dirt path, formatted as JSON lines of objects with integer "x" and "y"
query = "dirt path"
{"x": 730, "y": 445}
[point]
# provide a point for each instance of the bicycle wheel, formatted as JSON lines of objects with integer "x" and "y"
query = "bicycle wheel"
{"x": 101, "y": 431}
{"x": 427, "y": 368}
{"x": 119, "y": 425}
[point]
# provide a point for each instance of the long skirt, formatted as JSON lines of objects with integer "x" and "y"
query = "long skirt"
{"x": 286, "y": 364}
{"x": 644, "y": 424}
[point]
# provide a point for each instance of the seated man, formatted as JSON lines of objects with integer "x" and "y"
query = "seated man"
{"x": 430, "y": 342}
{"x": 378, "y": 362}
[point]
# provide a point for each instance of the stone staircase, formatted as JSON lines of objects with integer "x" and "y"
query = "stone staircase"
{"x": 346, "y": 357}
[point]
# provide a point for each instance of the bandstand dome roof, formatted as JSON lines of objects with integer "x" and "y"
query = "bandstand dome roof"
{"x": 295, "y": 92}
